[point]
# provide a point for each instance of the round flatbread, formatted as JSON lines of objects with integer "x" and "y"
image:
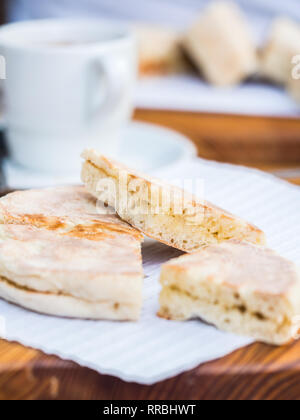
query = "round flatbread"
{"x": 59, "y": 256}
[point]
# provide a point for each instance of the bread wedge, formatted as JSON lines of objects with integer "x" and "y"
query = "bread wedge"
{"x": 165, "y": 213}
{"x": 238, "y": 287}
{"x": 220, "y": 44}
{"x": 277, "y": 56}
{"x": 160, "y": 52}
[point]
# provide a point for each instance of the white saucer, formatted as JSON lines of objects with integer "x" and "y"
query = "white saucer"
{"x": 146, "y": 147}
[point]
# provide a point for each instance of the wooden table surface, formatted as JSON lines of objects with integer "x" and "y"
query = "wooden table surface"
{"x": 255, "y": 372}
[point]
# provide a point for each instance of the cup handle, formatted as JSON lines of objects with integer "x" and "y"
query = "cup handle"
{"x": 107, "y": 87}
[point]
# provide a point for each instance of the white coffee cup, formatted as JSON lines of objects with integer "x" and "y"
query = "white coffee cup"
{"x": 69, "y": 85}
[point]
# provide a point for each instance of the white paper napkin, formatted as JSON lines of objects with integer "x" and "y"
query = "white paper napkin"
{"x": 153, "y": 349}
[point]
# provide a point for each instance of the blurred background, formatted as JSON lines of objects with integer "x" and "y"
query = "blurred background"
{"x": 253, "y": 120}
{"x": 177, "y": 13}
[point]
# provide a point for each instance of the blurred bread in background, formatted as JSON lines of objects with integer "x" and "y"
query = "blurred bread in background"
{"x": 221, "y": 46}
{"x": 283, "y": 44}
{"x": 160, "y": 51}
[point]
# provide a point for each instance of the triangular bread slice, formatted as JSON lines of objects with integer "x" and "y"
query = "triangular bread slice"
{"x": 239, "y": 287}
{"x": 277, "y": 56}
{"x": 165, "y": 213}
{"x": 60, "y": 257}
{"x": 221, "y": 45}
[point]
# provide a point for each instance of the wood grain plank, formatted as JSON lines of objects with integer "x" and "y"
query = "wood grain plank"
{"x": 255, "y": 372}
{"x": 236, "y": 139}
{"x": 295, "y": 181}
